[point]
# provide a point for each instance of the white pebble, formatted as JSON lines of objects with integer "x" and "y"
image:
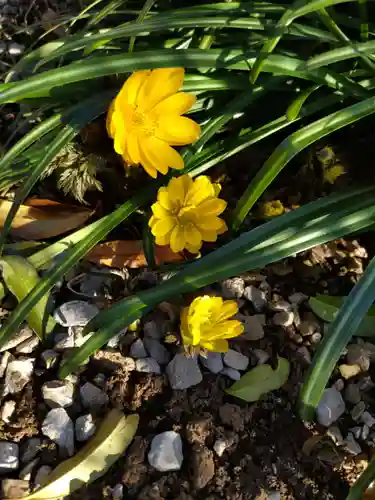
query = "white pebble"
{"x": 166, "y": 452}
{"x": 58, "y": 393}
{"x": 367, "y": 419}
{"x": 147, "y": 365}
{"x": 8, "y": 457}
{"x": 330, "y": 407}
{"x": 75, "y": 313}
{"x": 236, "y": 360}
{"x": 283, "y": 318}
{"x": 7, "y": 411}
{"x": 351, "y": 445}
{"x": 59, "y": 428}
{"x": 85, "y": 427}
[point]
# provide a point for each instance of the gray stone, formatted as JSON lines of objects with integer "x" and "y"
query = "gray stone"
{"x": 261, "y": 356}
{"x": 356, "y": 431}
{"x": 18, "y": 374}
{"x": 93, "y": 397}
{"x": 351, "y": 445}
{"x": 357, "y": 411}
{"x": 58, "y": 393}
{"x": 365, "y": 432}
{"x": 236, "y": 360}
{"x": 256, "y": 296}
{"x": 280, "y": 306}
{"x": 231, "y": 373}
{"x": 49, "y": 358}
{"x": 28, "y": 346}
{"x": 8, "y": 457}
{"x": 63, "y": 340}
{"x": 75, "y": 313}
{"x": 41, "y": 477}
{"x": 23, "y": 334}
{"x": 157, "y": 351}
{"x": 14, "y": 488}
{"x": 85, "y": 427}
{"x": 25, "y": 472}
{"x": 220, "y": 445}
{"x": 339, "y": 384}
{"x": 297, "y": 298}
{"x": 153, "y": 330}
{"x": 330, "y": 407}
{"x": 147, "y": 365}
{"x": 357, "y": 355}
{"x": 253, "y": 327}
{"x": 4, "y": 362}
{"x": 232, "y": 288}
{"x": 16, "y": 49}
{"x": 58, "y": 427}
{"x": 273, "y": 495}
{"x": 283, "y": 318}
{"x": 183, "y": 371}
{"x": 7, "y": 411}
{"x": 316, "y": 338}
{"x": 213, "y": 361}
{"x": 30, "y": 448}
{"x": 309, "y": 325}
{"x": 118, "y": 492}
{"x": 304, "y": 354}
{"x": 116, "y": 339}
{"x": 166, "y": 452}
{"x": 137, "y": 349}
{"x": 352, "y": 393}
{"x": 368, "y": 419}
{"x": 335, "y": 434}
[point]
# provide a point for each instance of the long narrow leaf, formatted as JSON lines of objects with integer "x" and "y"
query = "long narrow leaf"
{"x": 345, "y": 324}
{"x": 362, "y": 483}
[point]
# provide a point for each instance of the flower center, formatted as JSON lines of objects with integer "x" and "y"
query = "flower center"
{"x": 139, "y": 122}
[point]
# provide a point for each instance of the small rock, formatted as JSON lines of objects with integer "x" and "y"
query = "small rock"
{"x": 236, "y": 360}
{"x": 261, "y": 356}
{"x": 118, "y": 492}
{"x": 231, "y": 373}
{"x": 166, "y": 452}
{"x": 357, "y": 411}
{"x": 339, "y": 384}
{"x": 357, "y": 355}
{"x": 30, "y": 448}
{"x": 183, "y": 371}
{"x": 58, "y": 427}
{"x": 330, "y": 407}
{"x": 100, "y": 379}
{"x": 309, "y": 325}
{"x": 283, "y": 318}
{"x": 256, "y": 296}
{"x": 147, "y": 365}
{"x": 366, "y": 384}
{"x": 114, "y": 341}
{"x": 253, "y": 327}
{"x": 16, "y": 49}
{"x": 49, "y": 358}
{"x": 365, "y": 432}
{"x": 4, "y": 362}
{"x": 297, "y": 298}
{"x": 232, "y": 288}
{"x": 213, "y": 361}
{"x": 85, "y": 427}
{"x": 26, "y": 471}
{"x": 335, "y": 434}
{"x": 64, "y": 340}
{"x": 18, "y": 374}
{"x": 349, "y": 371}
{"x": 41, "y": 477}
{"x": 75, "y": 313}
{"x": 351, "y": 445}
{"x": 316, "y": 338}
{"x": 367, "y": 419}
{"x": 355, "y": 265}
{"x": 14, "y": 488}
{"x": 153, "y": 330}
{"x": 28, "y": 346}
{"x": 304, "y": 354}
{"x": 93, "y": 397}
{"x": 280, "y": 305}
{"x": 352, "y": 393}
{"x": 157, "y": 351}
{"x": 58, "y": 393}
{"x": 137, "y": 349}
{"x": 23, "y": 334}
{"x": 203, "y": 466}
{"x": 7, "y": 411}
{"x": 273, "y": 495}
{"x": 220, "y": 445}
{"x": 356, "y": 431}
{"x": 8, "y": 457}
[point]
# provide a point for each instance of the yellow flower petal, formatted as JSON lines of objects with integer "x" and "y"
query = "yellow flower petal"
{"x": 110, "y": 122}
{"x": 160, "y": 155}
{"x": 160, "y": 84}
{"x": 163, "y": 226}
{"x": 132, "y": 146}
{"x": 159, "y": 211}
{"x": 153, "y": 220}
{"x": 192, "y": 249}
{"x": 177, "y": 188}
{"x": 185, "y": 332}
{"x": 227, "y": 330}
{"x": 120, "y": 135}
{"x": 176, "y": 104}
{"x": 177, "y": 239}
{"x": 193, "y": 236}
{"x": 200, "y": 190}
{"x": 209, "y": 223}
{"x": 215, "y": 345}
{"x": 223, "y": 228}
{"x": 210, "y": 236}
{"x": 213, "y": 206}
{"x": 129, "y": 92}
{"x": 163, "y": 240}
{"x": 228, "y": 309}
{"x": 177, "y": 130}
{"x": 164, "y": 199}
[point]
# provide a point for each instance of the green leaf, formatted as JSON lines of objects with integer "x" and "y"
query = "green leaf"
{"x": 114, "y": 435}
{"x": 294, "y": 108}
{"x": 260, "y": 380}
{"x": 344, "y": 326}
{"x": 140, "y": 19}
{"x": 308, "y": 226}
{"x": 289, "y": 148}
{"x": 327, "y": 307}
{"x": 21, "y": 277}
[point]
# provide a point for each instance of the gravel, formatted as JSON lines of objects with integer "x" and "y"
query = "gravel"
{"x": 157, "y": 351}
{"x": 352, "y": 393}
{"x": 357, "y": 411}
{"x": 28, "y": 346}
{"x": 138, "y": 350}
{"x": 351, "y": 445}
{"x": 283, "y": 318}
{"x": 23, "y": 334}
{"x": 58, "y": 427}
{"x": 213, "y": 361}
{"x": 166, "y": 452}
{"x": 75, "y": 313}
{"x": 58, "y": 393}
{"x": 85, "y": 427}
{"x": 233, "y": 288}
{"x": 30, "y": 448}
{"x": 335, "y": 434}
{"x": 41, "y": 477}
{"x": 5, "y": 358}
{"x": 253, "y": 326}
{"x": 357, "y": 355}
{"x": 18, "y": 374}
{"x": 153, "y": 330}
{"x": 231, "y": 373}
{"x": 184, "y": 372}
{"x": 368, "y": 419}
{"x": 236, "y": 360}
{"x": 256, "y": 296}
{"x": 7, "y": 411}
{"x": 93, "y": 397}
{"x": 330, "y": 407}
{"x": 9, "y": 453}
{"x": 147, "y": 365}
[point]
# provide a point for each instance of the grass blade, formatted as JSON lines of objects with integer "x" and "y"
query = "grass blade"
{"x": 290, "y": 147}
{"x": 362, "y": 483}
{"x": 345, "y": 324}
{"x": 145, "y": 9}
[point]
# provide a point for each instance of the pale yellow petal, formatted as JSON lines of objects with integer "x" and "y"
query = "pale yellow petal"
{"x": 177, "y": 130}
{"x": 159, "y": 211}
{"x": 162, "y": 83}
{"x": 160, "y": 155}
{"x": 176, "y": 104}
{"x": 177, "y": 239}
{"x": 129, "y": 92}
{"x": 163, "y": 226}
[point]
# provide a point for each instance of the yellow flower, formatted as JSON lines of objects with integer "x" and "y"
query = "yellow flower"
{"x": 186, "y": 213}
{"x": 205, "y": 323}
{"x": 331, "y": 174}
{"x": 145, "y": 120}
